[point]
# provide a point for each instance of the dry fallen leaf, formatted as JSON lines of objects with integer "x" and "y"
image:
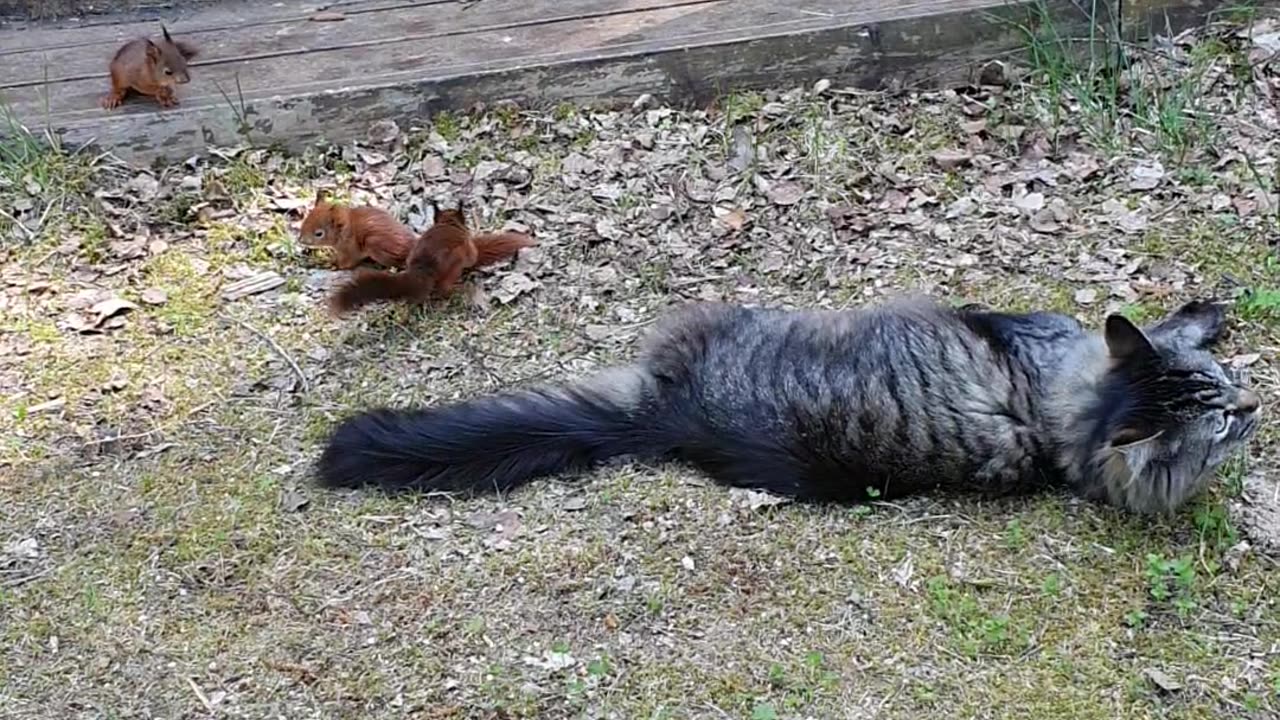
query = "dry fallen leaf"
{"x": 754, "y": 500}
{"x": 551, "y": 660}
{"x": 1146, "y": 176}
{"x": 608, "y": 230}
{"x": 1029, "y": 203}
{"x": 578, "y": 164}
{"x": 25, "y": 549}
{"x": 48, "y": 406}
{"x": 513, "y": 286}
{"x": 383, "y": 131}
{"x": 252, "y": 285}
{"x": 903, "y": 572}
{"x": 144, "y": 187}
{"x": 154, "y": 296}
{"x": 597, "y": 332}
{"x": 110, "y": 308}
{"x": 328, "y": 16}
{"x": 1043, "y": 221}
{"x": 734, "y": 219}
{"x": 293, "y": 501}
{"x": 1086, "y": 296}
{"x": 1162, "y": 680}
{"x": 772, "y": 262}
{"x": 1245, "y": 360}
{"x": 103, "y": 315}
{"x": 476, "y": 297}
{"x": 951, "y": 159}
{"x": 433, "y": 166}
{"x": 287, "y": 203}
{"x": 744, "y": 151}
{"x": 784, "y": 192}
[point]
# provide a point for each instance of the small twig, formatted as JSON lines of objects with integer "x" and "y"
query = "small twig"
{"x": 201, "y": 696}
{"x": 30, "y": 235}
{"x": 115, "y": 438}
{"x": 15, "y": 582}
{"x": 306, "y": 386}
{"x": 478, "y": 359}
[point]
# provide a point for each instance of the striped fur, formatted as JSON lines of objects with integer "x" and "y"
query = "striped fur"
{"x": 840, "y": 406}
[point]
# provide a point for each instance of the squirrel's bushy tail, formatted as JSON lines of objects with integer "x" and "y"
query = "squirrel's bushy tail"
{"x": 496, "y": 247}
{"x": 370, "y": 286}
{"x": 496, "y": 442}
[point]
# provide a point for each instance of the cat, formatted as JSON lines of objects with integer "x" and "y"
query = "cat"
{"x": 841, "y": 406}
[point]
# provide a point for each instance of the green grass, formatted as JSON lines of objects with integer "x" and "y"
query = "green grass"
{"x": 1109, "y": 90}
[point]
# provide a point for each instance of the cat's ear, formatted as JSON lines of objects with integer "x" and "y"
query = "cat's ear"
{"x": 1198, "y": 324}
{"x": 1131, "y": 435}
{"x": 1125, "y": 340}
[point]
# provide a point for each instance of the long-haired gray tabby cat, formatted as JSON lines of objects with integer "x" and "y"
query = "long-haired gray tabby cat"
{"x": 825, "y": 405}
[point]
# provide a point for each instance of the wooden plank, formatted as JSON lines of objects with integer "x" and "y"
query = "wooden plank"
{"x": 229, "y": 27}
{"x": 681, "y": 52}
{"x": 453, "y": 54}
{"x": 88, "y": 29}
{"x": 282, "y": 39}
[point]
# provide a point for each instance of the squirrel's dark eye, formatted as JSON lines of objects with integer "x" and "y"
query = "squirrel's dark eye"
{"x": 318, "y": 233}
{"x": 167, "y": 71}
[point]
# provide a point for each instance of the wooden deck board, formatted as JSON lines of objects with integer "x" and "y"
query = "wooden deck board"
{"x": 403, "y": 59}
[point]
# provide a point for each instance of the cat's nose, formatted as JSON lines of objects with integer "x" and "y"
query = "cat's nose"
{"x": 1247, "y": 401}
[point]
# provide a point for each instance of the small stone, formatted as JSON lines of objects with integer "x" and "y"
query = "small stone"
{"x": 1162, "y": 680}
{"x": 154, "y": 296}
{"x": 951, "y": 159}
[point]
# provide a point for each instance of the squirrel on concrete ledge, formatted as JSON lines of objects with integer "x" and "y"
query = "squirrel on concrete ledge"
{"x": 149, "y": 68}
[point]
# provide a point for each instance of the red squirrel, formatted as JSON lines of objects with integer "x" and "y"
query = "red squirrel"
{"x": 434, "y": 266}
{"x": 149, "y": 68}
{"x": 356, "y": 233}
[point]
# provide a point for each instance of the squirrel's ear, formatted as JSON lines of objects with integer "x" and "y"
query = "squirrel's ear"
{"x": 435, "y": 209}
{"x": 164, "y": 31}
{"x": 153, "y": 50}
{"x": 322, "y": 195}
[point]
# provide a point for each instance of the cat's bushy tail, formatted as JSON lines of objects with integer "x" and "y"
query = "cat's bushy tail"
{"x": 496, "y": 442}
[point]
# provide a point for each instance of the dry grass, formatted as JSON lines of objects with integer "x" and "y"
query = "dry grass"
{"x": 164, "y": 554}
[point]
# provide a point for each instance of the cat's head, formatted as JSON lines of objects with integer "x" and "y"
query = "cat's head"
{"x": 1168, "y": 413}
